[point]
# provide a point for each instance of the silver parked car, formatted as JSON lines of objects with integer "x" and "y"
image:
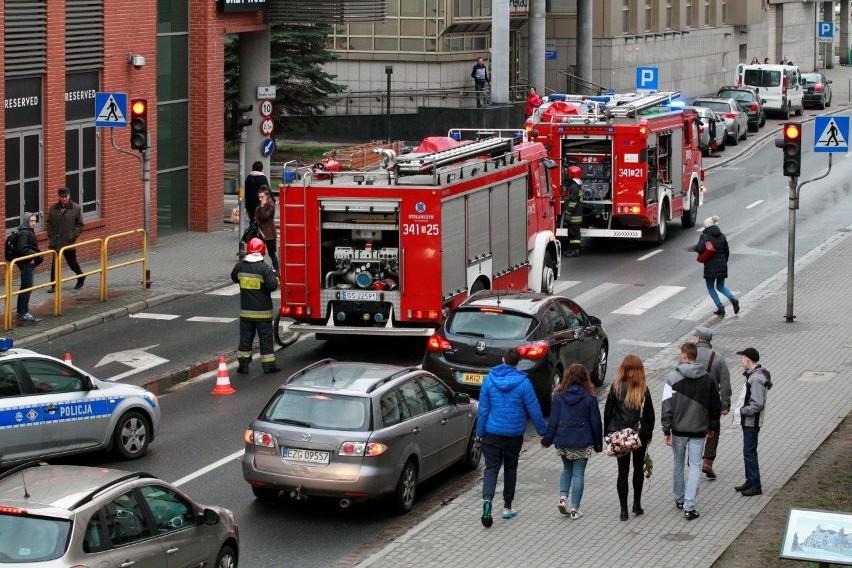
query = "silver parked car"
{"x": 712, "y": 132}
{"x": 358, "y": 431}
{"x": 736, "y": 121}
{"x": 49, "y": 408}
{"x": 54, "y": 516}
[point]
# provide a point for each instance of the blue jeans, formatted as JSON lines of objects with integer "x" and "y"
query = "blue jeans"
{"x": 573, "y": 472}
{"x": 499, "y": 451}
{"x": 714, "y": 284}
{"x": 752, "y": 468}
{"x": 27, "y": 270}
{"x": 680, "y": 447}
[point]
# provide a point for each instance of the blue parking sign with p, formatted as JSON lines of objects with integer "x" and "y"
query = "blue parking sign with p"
{"x": 825, "y": 29}
{"x": 647, "y": 78}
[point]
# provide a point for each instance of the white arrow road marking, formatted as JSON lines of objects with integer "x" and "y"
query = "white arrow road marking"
{"x": 648, "y": 300}
{"x": 206, "y": 319}
{"x": 563, "y": 285}
{"x": 152, "y": 316}
{"x": 137, "y": 359}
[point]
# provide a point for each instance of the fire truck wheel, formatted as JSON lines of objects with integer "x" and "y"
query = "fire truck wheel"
{"x": 690, "y": 215}
{"x": 281, "y": 331}
{"x": 548, "y": 274}
{"x": 657, "y": 235}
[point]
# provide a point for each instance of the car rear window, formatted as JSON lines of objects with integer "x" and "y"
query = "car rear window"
{"x": 746, "y": 96}
{"x": 27, "y": 538}
{"x": 323, "y": 411}
{"x": 717, "y": 106}
{"x": 490, "y": 324}
{"x": 810, "y": 79}
{"x": 762, "y": 78}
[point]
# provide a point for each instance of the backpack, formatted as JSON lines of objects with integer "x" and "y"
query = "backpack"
{"x": 11, "y": 252}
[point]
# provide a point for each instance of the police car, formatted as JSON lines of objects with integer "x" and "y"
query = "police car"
{"x": 49, "y": 408}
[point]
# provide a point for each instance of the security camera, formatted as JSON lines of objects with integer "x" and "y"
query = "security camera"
{"x": 137, "y": 60}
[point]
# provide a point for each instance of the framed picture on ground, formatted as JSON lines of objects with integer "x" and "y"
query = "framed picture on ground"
{"x": 818, "y": 536}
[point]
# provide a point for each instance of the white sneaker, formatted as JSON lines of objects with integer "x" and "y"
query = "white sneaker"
{"x": 509, "y": 513}
{"x": 563, "y": 505}
{"x": 26, "y": 317}
{"x": 576, "y": 514}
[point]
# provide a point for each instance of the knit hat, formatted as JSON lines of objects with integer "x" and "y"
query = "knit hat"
{"x": 703, "y": 333}
{"x": 710, "y": 221}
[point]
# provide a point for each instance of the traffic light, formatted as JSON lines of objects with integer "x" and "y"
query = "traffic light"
{"x": 792, "y": 149}
{"x": 139, "y": 124}
{"x": 238, "y": 121}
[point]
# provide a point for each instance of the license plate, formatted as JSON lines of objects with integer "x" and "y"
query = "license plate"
{"x": 358, "y": 295}
{"x": 306, "y": 456}
{"x": 471, "y": 378}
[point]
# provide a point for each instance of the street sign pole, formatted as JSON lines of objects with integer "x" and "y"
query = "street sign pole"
{"x": 242, "y": 175}
{"x": 146, "y": 198}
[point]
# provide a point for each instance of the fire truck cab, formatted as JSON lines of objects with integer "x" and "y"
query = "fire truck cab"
{"x": 639, "y": 156}
{"x": 388, "y": 251}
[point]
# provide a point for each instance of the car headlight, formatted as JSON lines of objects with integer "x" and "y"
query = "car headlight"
{"x": 151, "y": 397}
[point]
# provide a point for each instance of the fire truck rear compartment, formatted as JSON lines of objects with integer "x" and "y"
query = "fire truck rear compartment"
{"x": 594, "y": 158}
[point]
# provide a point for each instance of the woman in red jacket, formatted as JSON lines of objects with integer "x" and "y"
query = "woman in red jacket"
{"x": 533, "y": 102}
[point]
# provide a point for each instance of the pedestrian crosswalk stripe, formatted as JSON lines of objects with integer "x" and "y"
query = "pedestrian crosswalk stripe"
{"x": 641, "y": 343}
{"x": 208, "y": 319}
{"x": 563, "y": 285}
{"x": 648, "y": 300}
{"x": 605, "y": 289}
{"x": 231, "y": 290}
{"x": 154, "y": 316}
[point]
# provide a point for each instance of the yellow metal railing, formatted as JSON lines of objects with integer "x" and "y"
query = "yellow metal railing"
{"x": 143, "y": 259}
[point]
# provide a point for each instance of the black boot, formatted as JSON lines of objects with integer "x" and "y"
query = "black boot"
{"x": 624, "y": 515}
{"x": 637, "y": 506}
{"x": 243, "y": 368}
{"x": 270, "y": 368}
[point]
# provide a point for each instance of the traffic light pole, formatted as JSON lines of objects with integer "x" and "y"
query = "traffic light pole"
{"x": 241, "y": 169}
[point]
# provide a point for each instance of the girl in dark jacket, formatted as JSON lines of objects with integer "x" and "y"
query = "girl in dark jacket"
{"x": 716, "y": 267}
{"x": 265, "y": 216}
{"x": 628, "y": 403}
{"x": 575, "y": 428}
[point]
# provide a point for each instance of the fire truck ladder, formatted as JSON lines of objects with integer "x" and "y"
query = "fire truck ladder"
{"x": 419, "y": 164}
{"x": 294, "y": 253}
{"x": 631, "y": 109}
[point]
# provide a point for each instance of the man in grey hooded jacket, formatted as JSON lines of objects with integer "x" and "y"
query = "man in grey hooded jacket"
{"x": 690, "y": 412}
{"x": 714, "y": 363}
{"x": 749, "y": 412}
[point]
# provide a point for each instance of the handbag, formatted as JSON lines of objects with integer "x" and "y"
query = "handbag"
{"x": 709, "y": 251}
{"x": 250, "y": 232}
{"x": 623, "y": 441}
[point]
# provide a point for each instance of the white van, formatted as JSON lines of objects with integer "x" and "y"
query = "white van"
{"x": 780, "y": 86}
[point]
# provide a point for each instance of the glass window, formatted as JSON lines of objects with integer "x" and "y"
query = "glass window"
{"x": 387, "y": 44}
{"x": 360, "y": 44}
{"x": 689, "y": 14}
{"x": 437, "y": 393}
{"x": 406, "y": 44}
{"x": 172, "y": 16}
{"x": 172, "y": 67}
{"x": 29, "y": 539}
{"x": 81, "y": 168}
{"x": 172, "y": 135}
{"x": 555, "y": 320}
{"x": 411, "y": 27}
{"x": 173, "y": 200}
{"x": 412, "y": 9}
{"x": 625, "y": 16}
{"x": 323, "y": 411}
{"x": 94, "y": 540}
{"x": 669, "y": 11}
{"x": 572, "y": 314}
{"x": 170, "y": 510}
{"x": 124, "y": 520}
{"x": 394, "y": 410}
{"x": 389, "y": 27}
{"x": 490, "y": 324}
{"x": 649, "y": 18}
{"x": 52, "y": 377}
{"x": 414, "y": 398}
{"x": 10, "y": 383}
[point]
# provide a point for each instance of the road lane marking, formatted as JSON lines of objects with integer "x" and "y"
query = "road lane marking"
{"x": 648, "y": 300}
{"x": 642, "y": 343}
{"x": 755, "y": 204}
{"x": 563, "y": 285}
{"x": 650, "y": 254}
{"x": 208, "y": 468}
{"x": 231, "y": 290}
{"x": 206, "y": 319}
{"x": 589, "y": 297}
{"x": 153, "y": 316}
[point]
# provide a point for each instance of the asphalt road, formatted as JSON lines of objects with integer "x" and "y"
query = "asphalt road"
{"x": 647, "y": 297}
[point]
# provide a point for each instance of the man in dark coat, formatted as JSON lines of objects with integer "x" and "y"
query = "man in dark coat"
{"x": 480, "y": 77}
{"x": 716, "y": 267}
{"x": 251, "y": 186}
{"x": 64, "y": 223}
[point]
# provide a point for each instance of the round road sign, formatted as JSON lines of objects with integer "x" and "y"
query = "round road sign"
{"x": 266, "y": 108}
{"x": 267, "y": 147}
{"x": 267, "y": 126}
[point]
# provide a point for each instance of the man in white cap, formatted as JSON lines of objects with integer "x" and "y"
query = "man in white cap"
{"x": 749, "y": 413}
{"x": 715, "y": 365}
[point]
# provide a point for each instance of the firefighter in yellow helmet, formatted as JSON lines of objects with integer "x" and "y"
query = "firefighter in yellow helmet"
{"x": 572, "y": 209}
{"x": 257, "y": 282}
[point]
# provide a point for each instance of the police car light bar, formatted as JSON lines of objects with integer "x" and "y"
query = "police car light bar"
{"x": 6, "y": 343}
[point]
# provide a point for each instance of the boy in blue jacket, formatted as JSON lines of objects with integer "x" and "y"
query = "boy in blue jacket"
{"x": 505, "y": 400}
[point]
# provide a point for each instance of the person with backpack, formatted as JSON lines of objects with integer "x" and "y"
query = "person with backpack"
{"x": 714, "y": 363}
{"x": 26, "y": 243}
{"x": 575, "y": 428}
{"x": 749, "y": 412}
{"x": 716, "y": 266}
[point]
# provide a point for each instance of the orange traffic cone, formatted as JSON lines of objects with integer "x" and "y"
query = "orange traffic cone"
{"x": 68, "y": 358}
{"x": 223, "y": 382}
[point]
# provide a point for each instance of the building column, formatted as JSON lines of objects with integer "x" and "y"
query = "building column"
{"x": 584, "y": 41}
{"x": 844, "y": 34}
{"x": 255, "y": 56}
{"x": 537, "y": 45}
{"x": 500, "y": 53}
{"x": 828, "y": 50}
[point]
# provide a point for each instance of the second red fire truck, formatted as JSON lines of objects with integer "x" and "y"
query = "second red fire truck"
{"x": 639, "y": 156}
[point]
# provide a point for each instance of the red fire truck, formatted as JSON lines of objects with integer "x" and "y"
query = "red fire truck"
{"x": 639, "y": 156}
{"x": 389, "y": 251}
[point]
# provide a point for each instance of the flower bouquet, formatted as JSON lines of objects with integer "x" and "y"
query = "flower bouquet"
{"x": 648, "y": 468}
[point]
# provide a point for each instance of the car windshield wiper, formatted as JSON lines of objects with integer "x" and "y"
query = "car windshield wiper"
{"x": 291, "y": 421}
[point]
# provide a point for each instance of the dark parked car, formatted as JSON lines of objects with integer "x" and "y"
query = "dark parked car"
{"x": 817, "y": 90}
{"x": 750, "y": 102}
{"x": 551, "y": 332}
{"x": 358, "y": 431}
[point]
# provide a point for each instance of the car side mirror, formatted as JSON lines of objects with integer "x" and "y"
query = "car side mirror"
{"x": 88, "y": 383}
{"x": 594, "y": 320}
{"x": 829, "y": 81}
{"x": 462, "y": 398}
{"x": 209, "y": 517}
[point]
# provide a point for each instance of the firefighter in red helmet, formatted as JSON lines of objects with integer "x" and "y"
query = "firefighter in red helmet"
{"x": 572, "y": 209}
{"x": 257, "y": 282}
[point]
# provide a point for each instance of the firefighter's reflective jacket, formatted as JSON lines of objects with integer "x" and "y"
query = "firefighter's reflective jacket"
{"x": 257, "y": 282}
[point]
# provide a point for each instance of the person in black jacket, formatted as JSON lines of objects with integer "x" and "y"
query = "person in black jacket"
{"x": 27, "y": 243}
{"x": 629, "y": 403}
{"x": 575, "y": 428}
{"x": 257, "y": 282}
{"x": 716, "y": 267}
{"x": 480, "y": 77}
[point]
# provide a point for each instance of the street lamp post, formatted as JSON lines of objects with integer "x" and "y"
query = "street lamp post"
{"x": 389, "y": 72}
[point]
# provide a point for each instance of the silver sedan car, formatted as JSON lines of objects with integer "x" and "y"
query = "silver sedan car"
{"x": 358, "y": 431}
{"x": 736, "y": 121}
{"x": 712, "y": 132}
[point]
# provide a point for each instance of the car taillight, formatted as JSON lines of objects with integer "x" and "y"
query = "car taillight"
{"x": 817, "y": 88}
{"x": 259, "y": 438}
{"x": 784, "y": 86}
{"x": 535, "y": 350}
{"x": 437, "y": 343}
{"x": 730, "y": 115}
{"x": 361, "y": 449}
{"x": 753, "y": 107}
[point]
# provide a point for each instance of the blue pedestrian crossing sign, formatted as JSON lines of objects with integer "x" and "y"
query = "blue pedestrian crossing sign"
{"x": 647, "y": 78}
{"x": 111, "y": 109}
{"x": 831, "y": 134}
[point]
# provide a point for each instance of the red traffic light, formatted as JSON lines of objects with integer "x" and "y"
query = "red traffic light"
{"x": 792, "y": 131}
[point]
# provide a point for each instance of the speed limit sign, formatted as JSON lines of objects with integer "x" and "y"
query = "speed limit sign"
{"x": 267, "y": 126}
{"x": 266, "y": 108}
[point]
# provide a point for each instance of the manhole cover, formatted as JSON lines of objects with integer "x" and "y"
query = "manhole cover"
{"x": 816, "y": 376}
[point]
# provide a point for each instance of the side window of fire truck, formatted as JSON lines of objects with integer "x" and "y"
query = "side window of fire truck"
{"x": 572, "y": 314}
{"x": 543, "y": 179}
{"x": 555, "y": 318}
